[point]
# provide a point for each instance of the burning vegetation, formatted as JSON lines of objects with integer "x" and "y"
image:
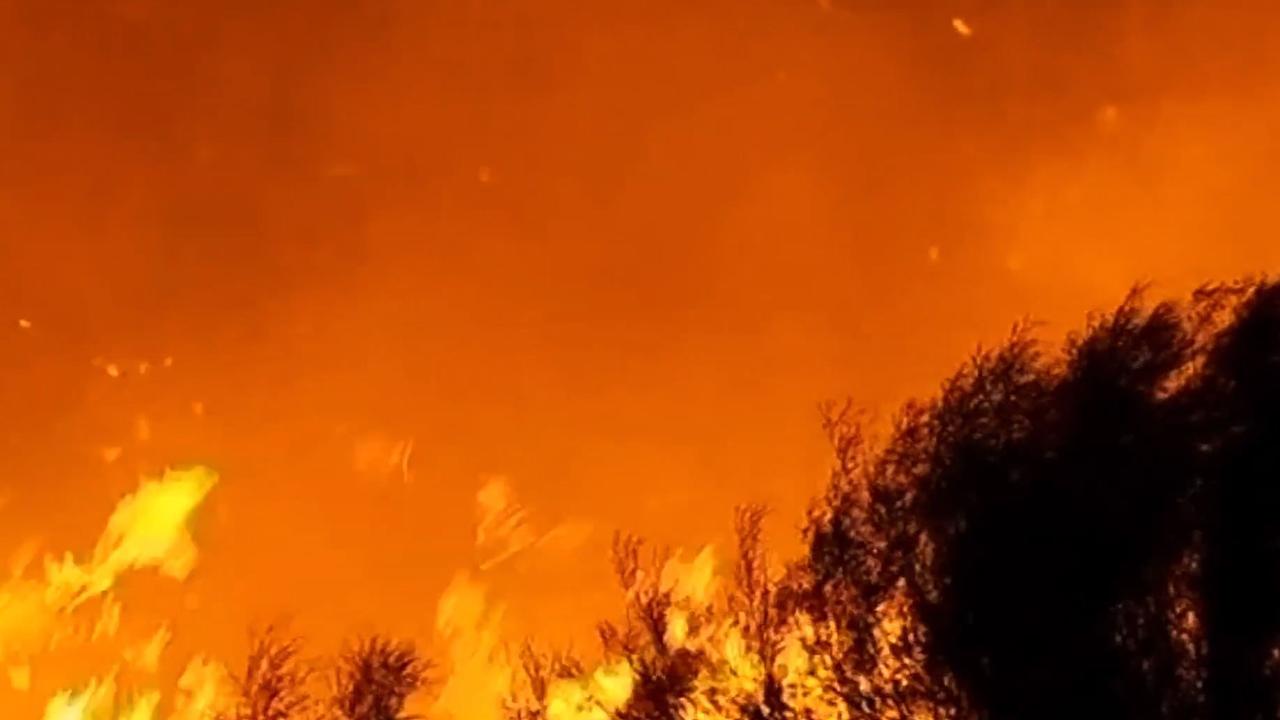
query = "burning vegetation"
{"x": 1083, "y": 532}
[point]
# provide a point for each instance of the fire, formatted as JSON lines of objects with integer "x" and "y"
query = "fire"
{"x": 204, "y": 689}
{"x": 479, "y": 672}
{"x": 737, "y": 659}
{"x": 147, "y": 530}
{"x": 146, "y": 655}
{"x": 100, "y": 701}
{"x": 692, "y": 581}
{"x": 594, "y": 698}
{"x": 483, "y": 679}
{"x": 502, "y": 524}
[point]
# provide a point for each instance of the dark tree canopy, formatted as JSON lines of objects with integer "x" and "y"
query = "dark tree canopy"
{"x": 374, "y": 679}
{"x": 273, "y": 684}
{"x": 1091, "y": 533}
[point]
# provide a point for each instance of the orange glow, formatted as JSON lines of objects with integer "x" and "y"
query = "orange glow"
{"x": 449, "y": 291}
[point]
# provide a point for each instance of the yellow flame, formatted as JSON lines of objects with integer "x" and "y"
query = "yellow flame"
{"x": 691, "y": 581}
{"x": 205, "y": 690}
{"x": 502, "y": 523}
{"x": 148, "y": 529}
{"x": 98, "y": 701}
{"x": 94, "y": 702}
{"x": 594, "y": 698}
{"x": 108, "y": 622}
{"x": 479, "y": 673}
{"x": 146, "y": 656}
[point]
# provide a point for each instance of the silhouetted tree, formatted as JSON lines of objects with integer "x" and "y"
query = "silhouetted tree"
{"x": 537, "y": 670}
{"x": 374, "y": 678}
{"x": 1238, "y": 400}
{"x": 663, "y": 675}
{"x": 756, "y": 604}
{"x": 1089, "y": 533}
{"x": 275, "y": 682}
{"x": 853, "y": 584}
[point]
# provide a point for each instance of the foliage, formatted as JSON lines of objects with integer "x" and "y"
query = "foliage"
{"x": 274, "y": 683}
{"x": 375, "y": 677}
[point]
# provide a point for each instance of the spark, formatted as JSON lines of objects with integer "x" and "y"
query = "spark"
{"x": 935, "y": 253}
{"x": 197, "y": 408}
{"x": 405, "y": 454}
{"x": 24, "y": 323}
{"x": 961, "y": 27}
{"x": 484, "y": 174}
{"x": 111, "y": 453}
{"x": 112, "y": 370}
{"x": 142, "y": 428}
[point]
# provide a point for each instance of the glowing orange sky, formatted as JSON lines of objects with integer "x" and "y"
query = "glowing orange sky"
{"x": 615, "y": 251}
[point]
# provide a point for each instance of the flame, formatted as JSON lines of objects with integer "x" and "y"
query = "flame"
{"x": 594, "y": 698}
{"x": 479, "y": 671}
{"x": 92, "y": 702}
{"x": 502, "y": 527}
{"x": 99, "y": 701}
{"x": 108, "y": 622}
{"x": 148, "y": 529}
{"x": 205, "y": 689}
{"x": 374, "y": 455}
{"x": 146, "y": 656}
{"x": 691, "y": 581}
{"x": 735, "y": 665}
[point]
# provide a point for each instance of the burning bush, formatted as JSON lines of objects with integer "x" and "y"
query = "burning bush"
{"x": 1090, "y": 532}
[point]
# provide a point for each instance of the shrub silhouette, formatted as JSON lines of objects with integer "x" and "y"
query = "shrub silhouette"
{"x": 274, "y": 682}
{"x": 374, "y": 679}
{"x": 1091, "y": 533}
